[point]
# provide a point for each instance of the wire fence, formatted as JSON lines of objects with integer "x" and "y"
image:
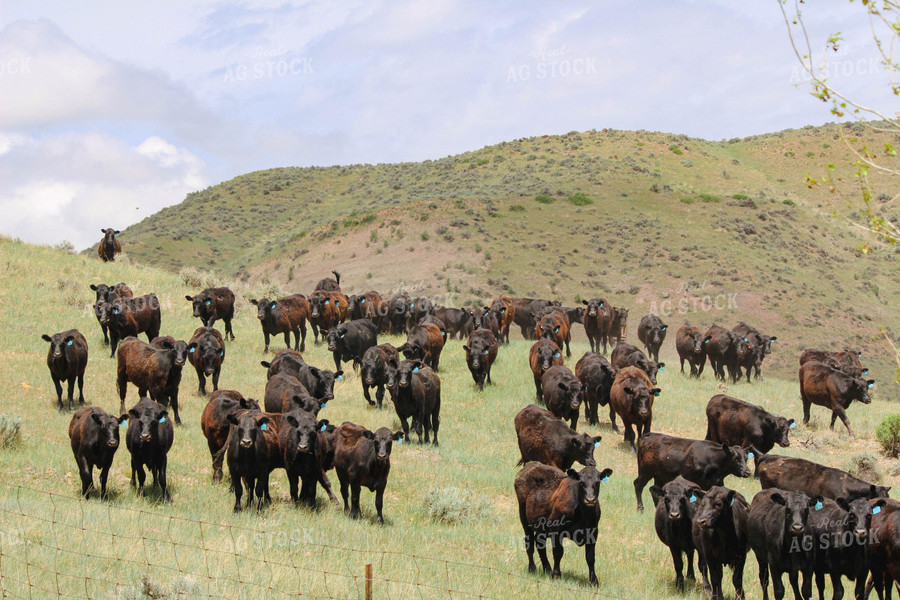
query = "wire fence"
{"x": 58, "y": 546}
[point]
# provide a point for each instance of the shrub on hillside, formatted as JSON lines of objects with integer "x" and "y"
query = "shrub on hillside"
{"x": 865, "y": 466}
{"x": 453, "y": 506}
{"x": 10, "y": 431}
{"x": 545, "y": 199}
{"x": 580, "y": 199}
{"x": 888, "y": 435}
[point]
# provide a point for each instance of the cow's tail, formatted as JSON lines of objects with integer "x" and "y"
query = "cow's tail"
{"x": 337, "y": 277}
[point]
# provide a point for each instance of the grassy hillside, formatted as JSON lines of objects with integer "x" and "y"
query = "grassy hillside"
{"x": 195, "y": 547}
{"x": 702, "y": 231}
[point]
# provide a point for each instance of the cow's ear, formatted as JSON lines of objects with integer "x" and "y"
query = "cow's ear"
{"x": 656, "y": 391}
{"x": 93, "y": 287}
{"x": 118, "y": 232}
{"x": 870, "y": 382}
{"x": 585, "y": 302}
{"x": 262, "y": 421}
{"x": 628, "y": 390}
{"x": 597, "y": 439}
{"x": 123, "y": 418}
{"x": 729, "y": 499}
{"x": 322, "y": 425}
{"x": 773, "y": 338}
{"x": 398, "y": 436}
{"x": 103, "y": 231}
{"x": 467, "y": 349}
{"x": 291, "y": 419}
{"x": 573, "y": 474}
{"x": 46, "y": 338}
{"x": 661, "y": 366}
{"x": 189, "y": 298}
{"x": 876, "y": 508}
{"x": 97, "y": 418}
{"x": 254, "y": 301}
{"x": 779, "y": 499}
{"x": 134, "y": 413}
{"x": 605, "y": 473}
{"x": 657, "y": 494}
{"x": 339, "y": 374}
{"x": 694, "y": 492}
{"x": 232, "y": 418}
{"x": 368, "y": 435}
{"x": 816, "y": 502}
{"x": 842, "y": 502}
{"x": 562, "y": 386}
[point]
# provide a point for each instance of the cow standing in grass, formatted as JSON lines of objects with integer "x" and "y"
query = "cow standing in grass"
{"x": 67, "y": 360}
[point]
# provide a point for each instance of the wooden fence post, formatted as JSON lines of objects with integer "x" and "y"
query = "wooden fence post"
{"x": 369, "y": 582}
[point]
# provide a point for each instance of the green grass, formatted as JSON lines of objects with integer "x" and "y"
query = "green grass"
{"x": 452, "y": 507}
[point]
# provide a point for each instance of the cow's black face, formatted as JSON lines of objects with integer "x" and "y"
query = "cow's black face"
{"x": 782, "y": 428}
{"x": 548, "y": 356}
{"x": 583, "y": 448}
{"x": 147, "y": 422}
{"x": 303, "y": 431}
{"x": 715, "y": 503}
{"x": 109, "y": 236}
{"x": 572, "y": 392}
{"x": 247, "y": 427}
{"x": 383, "y": 440}
{"x": 737, "y": 461}
{"x": 109, "y": 429}
{"x": 796, "y": 509}
{"x": 593, "y": 306}
{"x": 202, "y": 305}
{"x": 589, "y": 480}
{"x": 641, "y": 401}
{"x": 59, "y": 343}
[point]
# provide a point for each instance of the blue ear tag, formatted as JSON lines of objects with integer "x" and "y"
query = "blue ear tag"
{"x": 557, "y": 355}
{"x": 416, "y": 369}
{"x": 162, "y": 419}
{"x": 208, "y": 302}
{"x": 192, "y": 350}
{"x": 324, "y": 405}
{"x": 400, "y": 441}
{"x": 750, "y": 455}
{"x": 485, "y": 352}
{"x": 273, "y": 305}
{"x": 693, "y": 498}
{"x": 819, "y": 505}
{"x": 871, "y": 385}
{"x": 339, "y": 377}
{"x": 596, "y": 444}
{"x": 793, "y": 425}
{"x": 117, "y": 235}
{"x": 876, "y": 510}
{"x": 326, "y": 303}
{"x": 662, "y": 368}
{"x": 363, "y": 301}
{"x": 732, "y": 502}
{"x": 605, "y": 479}
{"x": 125, "y": 423}
{"x": 656, "y": 393}
{"x": 263, "y": 427}
{"x": 323, "y": 427}
{"x": 69, "y": 343}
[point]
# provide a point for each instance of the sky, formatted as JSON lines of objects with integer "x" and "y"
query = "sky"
{"x": 110, "y": 111}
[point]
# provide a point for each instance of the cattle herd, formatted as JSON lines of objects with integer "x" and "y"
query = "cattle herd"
{"x": 808, "y": 519}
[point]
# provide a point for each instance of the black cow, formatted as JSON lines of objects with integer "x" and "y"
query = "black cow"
{"x": 318, "y": 382}
{"x": 720, "y": 535}
{"x": 483, "y": 318}
{"x": 419, "y": 308}
{"x": 737, "y": 423}
{"x": 213, "y": 304}
{"x": 283, "y": 316}
{"x": 424, "y": 342}
{"x": 725, "y": 350}
{"x": 416, "y": 392}
{"x": 285, "y": 393}
{"x": 457, "y": 322}
{"x": 563, "y": 393}
{"x": 555, "y": 505}
{"x": 299, "y": 441}
{"x": 173, "y": 381}
{"x": 813, "y": 479}
{"x": 596, "y": 320}
{"x": 526, "y": 314}
{"x": 676, "y": 504}
{"x": 548, "y": 439}
{"x": 664, "y": 457}
{"x": 67, "y": 360}
{"x": 652, "y": 333}
{"x": 776, "y": 529}
{"x": 108, "y": 293}
{"x": 206, "y": 352}
{"x": 597, "y": 375}
{"x": 215, "y": 426}
{"x": 249, "y": 454}
{"x": 398, "y": 309}
{"x": 149, "y": 438}
{"x": 363, "y": 458}
{"x": 349, "y": 341}
{"x": 151, "y": 369}
{"x": 690, "y": 347}
{"x": 328, "y": 284}
{"x": 374, "y": 370}
{"x": 130, "y": 316}
{"x": 109, "y": 245}
{"x": 761, "y": 343}
{"x": 94, "y": 434}
{"x": 481, "y": 352}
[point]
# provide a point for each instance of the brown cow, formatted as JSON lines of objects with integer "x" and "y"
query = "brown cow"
{"x": 548, "y": 439}
{"x": 597, "y": 375}
{"x": 108, "y": 293}
{"x": 504, "y": 311}
{"x": 284, "y": 315}
{"x": 555, "y": 326}
{"x": 109, "y": 245}
{"x": 424, "y": 342}
{"x": 94, "y": 434}
{"x": 631, "y": 397}
{"x": 285, "y": 393}
{"x": 328, "y": 284}
{"x": 615, "y": 331}
{"x": 544, "y": 354}
{"x": 847, "y": 361}
{"x": 148, "y": 368}
{"x": 129, "y": 317}
{"x": 832, "y": 388}
{"x": 596, "y": 322}
{"x": 215, "y": 426}
{"x": 326, "y": 309}
{"x": 212, "y": 304}
{"x": 369, "y": 305}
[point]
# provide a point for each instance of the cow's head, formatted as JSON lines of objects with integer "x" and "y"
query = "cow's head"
{"x": 207, "y": 356}
{"x": 108, "y": 428}
{"x": 146, "y": 419}
{"x": 859, "y": 515}
{"x": 780, "y": 427}
{"x": 588, "y": 480}
{"x": 383, "y": 439}
{"x": 60, "y": 345}
{"x": 641, "y": 399}
{"x": 109, "y": 235}
{"x": 102, "y": 292}
{"x": 548, "y": 355}
{"x": 680, "y": 500}
{"x": 406, "y": 371}
{"x": 477, "y": 351}
{"x": 572, "y": 392}
{"x": 736, "y": 461}
{"x": 582, "y": 446}
{"x": 247, "y": 427}
{"x": 797, "y": 507}
{"x": 265, "y": 308}
{"x": 303, "y": 428}
{"x": 718, "y": 501}
{"x": 593, "y": 306}
{"x": 203, "y": 304}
